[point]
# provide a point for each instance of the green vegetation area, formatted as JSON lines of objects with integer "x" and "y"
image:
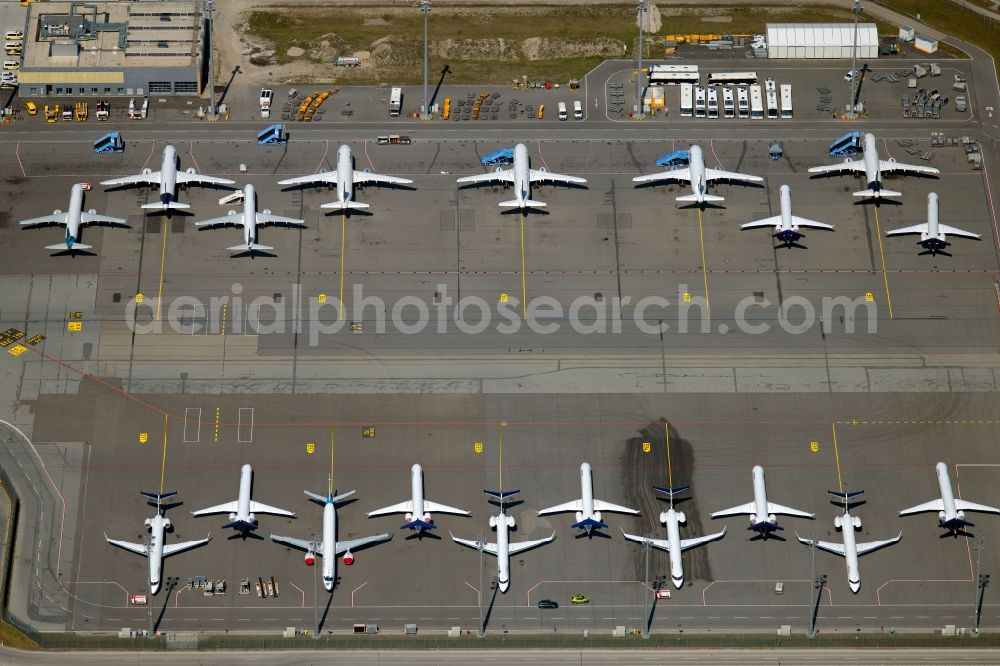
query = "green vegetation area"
{"x": 951, "y": 19}
{"x": 11, "y": 637}
{"x": 400, "y": 59}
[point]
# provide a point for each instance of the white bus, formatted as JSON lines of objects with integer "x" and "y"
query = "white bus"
{"x": 673, "y": 75}
{"x": 687, "y": 100}
{"x": 728, "y": 103}
{"x": 713, "y": 103}
{"x": 732, "y": 78}
{"x": 699, "y": 102}
{"x": 786, "y": 100}
{"x": 772, "y": 104}
{"x": 743, "y": 102}
{"x": 756, "y": 103}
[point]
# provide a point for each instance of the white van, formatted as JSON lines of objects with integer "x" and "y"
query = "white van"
{"x": 562, "y": 111}
{"x": 578, "y": 110}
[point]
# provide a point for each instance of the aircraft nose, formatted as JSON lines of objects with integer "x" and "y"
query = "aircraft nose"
{"x": 678, "y": 582}
{"x": 855, "y": 586}
{"x": 504, "y": 585}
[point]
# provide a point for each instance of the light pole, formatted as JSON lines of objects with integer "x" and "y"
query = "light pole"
{"x": 212, "y": 115}
{"x": 982, "y": 582}
{"x": 425, "y": 111}
{"x": 638, "y": 77}
{"x": 647, "y": 545}
{"x": 482, "y": 621}
{"x": 852, "y": 112}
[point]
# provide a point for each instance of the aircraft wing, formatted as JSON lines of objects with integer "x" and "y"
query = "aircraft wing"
{"x": 304, "y": 544}
{"x": 945, "y": 229}
{"x": 736, "y": 510}
{"x": 766, "y": 222}
{"x": 805, "y": 222}
{"x": 402, "y": 507}
{"x": 235, "y": 220}
{"x": 691, "y": 543}
{"x": 444, "y": 508}
{"x": 322, "y": 177}
{"x": 573, "y": 505}
{"x": 718, "y": 174}
{"x": 151, "y": 178}
{"x": 361, "y": 177}
{"x": 962, "y": 505}
{"x": 915, "y": 229}
{"x": 267, "y": 218}
{"x": 888, "y": 166}
{"x": 258, "y": 507}
{"x": 788, "y": 511}
{"x": 522, "y": 546}
{"x": 662, "y": 544}
{"x": 59, "y": 218}
{"x": 674, "y": 174}
{"x": 228, "y": 507}
{"x": 188, "y": 177}
{"x": 174, "y": 548}
{"x": 875, "y": 545}
{"x": 835, "y": 548}
{"x": 344, "y": 546}
{"x": 94, "y": 218}
{"x": 933, "y": 505}
{"x": 601, "y": 505}
{"x": 506, "y": 175}
{"x": 851, "y": 165}
{"x": 137, "y": 548}
{"x": 537, "y": 176}
{"x": 490, "y": 548}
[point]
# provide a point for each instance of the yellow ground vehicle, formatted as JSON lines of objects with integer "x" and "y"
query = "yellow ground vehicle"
{"x": 541, "y": 111}
{"x": 51, "y": 113}
{"x": 447, "y": 108}
{"x": 81, "y": 111}
{"x": 31, "y": 108}
{"x": 11, "y": 64}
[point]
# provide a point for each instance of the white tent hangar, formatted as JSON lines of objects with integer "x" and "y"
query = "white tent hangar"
{"x": 821, "y": 40}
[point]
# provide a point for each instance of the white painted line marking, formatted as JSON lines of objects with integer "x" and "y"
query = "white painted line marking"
{"x": 244, "y": 425}
{"x": 192, "y": 425}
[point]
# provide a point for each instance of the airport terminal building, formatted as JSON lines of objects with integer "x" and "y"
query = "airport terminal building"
{"x": 143, "y": 47}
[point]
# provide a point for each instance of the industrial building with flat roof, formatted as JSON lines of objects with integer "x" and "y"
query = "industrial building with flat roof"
{"x": 114, "y": 48}
{"x": 821, "y": 40}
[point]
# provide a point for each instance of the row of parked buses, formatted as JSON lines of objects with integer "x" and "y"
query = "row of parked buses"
{"x": 750, "y": 101}
{"x": 741, "y": 96}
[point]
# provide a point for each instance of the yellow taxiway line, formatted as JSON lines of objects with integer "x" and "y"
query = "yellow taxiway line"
{"x": 343, "y": 248}
{"x": 524, "y": 283}
{"x": 704, "y": 266}
{"x": 163, "y": 258}
{"x": 836, "y": 456}
{"x": 881, "y": 251}
{"x": 163, "y": 460}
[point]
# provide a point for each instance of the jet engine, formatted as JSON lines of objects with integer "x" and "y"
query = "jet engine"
{"x": 579, "y": 516}
{"x": 597, "y": 516}
{"x": 663, "y": 516}
{"x": 166, "y": 524}
{"x": 960, "y": 515}
{"x": 145, "y": 171}
{"x": 310, "y": 558}
{"x": 190, "y": 170}
{"x": 681, "y": 518}
{"x": 510, "y": 521}
{"x": 348, "y": 558}
{"x": 753, "y": 519}
{"x": 772, "y": 519}
{"x": 252, "y": 518}
{"x": 941, "y": 516}
{"x": 232, "y": 517}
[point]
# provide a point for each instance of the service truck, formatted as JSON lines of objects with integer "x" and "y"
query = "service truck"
{"x": 578, "y": 110}
{"x": 562, "y": 111}
{"x": 395, "y": 101}
{"x": 265, "y": 102}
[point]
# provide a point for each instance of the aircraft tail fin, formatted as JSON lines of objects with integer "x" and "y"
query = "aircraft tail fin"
{"x": 704, "y": 198}
{"x": 158, "y": 496}
{"x": 418, "y": 525}
{"x": 527, "y": 203}
{"x": 501, "y": 494}
{"x": 249, "y": 247}
{"x": 242, "y": 525}
{"x": 345, "y": 205}
{"x": 875, "y": 194}
{"x": 845, "y": 495}
{"x": 671, "y": 491}
{"x": 588, "y": 523}
{"x": 163, "y": 205}
{"x": 66, "y": 246}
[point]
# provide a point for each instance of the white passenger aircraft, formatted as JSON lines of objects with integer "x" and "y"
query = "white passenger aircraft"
{"x": 73, "y": 219}
{"x": 951, "y": 511}
{"x": 328, "y": 547}
{"x": 417, "y": 509}
{"x": 850, "y": 549}
{"x": 762, "y": 513}
{"x": 932, "y": 233}
{"x": 699, "y": 176}
{"x": 588, "y": 510}
{"x": 521, "y": 176}
{"x": 873, "y": 168}
{"x": 786, "y": 226}
{"x": 674, "y": 544}
{"x": 168, "y": 178}
{"x": 503, "y": 548}
{"x": 345, "y": 178}
{"x": 155, "y": 549}
{"x": 242, "y": 512}
{"x": 249, "y": 219}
